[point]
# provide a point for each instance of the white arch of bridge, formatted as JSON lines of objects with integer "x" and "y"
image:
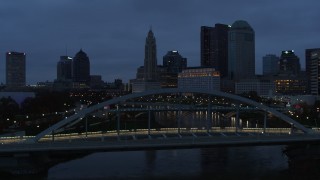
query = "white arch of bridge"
{"x": 117, "y": 100}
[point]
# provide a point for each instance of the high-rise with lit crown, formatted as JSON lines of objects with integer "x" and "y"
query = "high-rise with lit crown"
{"x": 150, "y": 58}
{"x": 289, "y": 63}
{"x": 64, "y": 69}
{"x": 15, "y": 69}
{"x": 174, "y": 62}
{"x": 241, "y": 51}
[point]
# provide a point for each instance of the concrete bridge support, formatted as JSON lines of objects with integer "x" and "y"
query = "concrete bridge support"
{"x": 237, "y": 124}
{"x": 265, "y": 121}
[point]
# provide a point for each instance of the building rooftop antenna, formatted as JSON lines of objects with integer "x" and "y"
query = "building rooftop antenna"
{"x": 66, "y": 50}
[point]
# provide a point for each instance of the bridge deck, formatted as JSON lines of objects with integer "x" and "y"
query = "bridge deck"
{"x": 158, "y": 141}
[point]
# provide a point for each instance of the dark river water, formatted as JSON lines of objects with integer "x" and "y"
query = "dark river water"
{"x": 260, "y": 162}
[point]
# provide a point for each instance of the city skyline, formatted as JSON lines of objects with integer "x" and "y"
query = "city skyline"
{"x": 112, "y": 33}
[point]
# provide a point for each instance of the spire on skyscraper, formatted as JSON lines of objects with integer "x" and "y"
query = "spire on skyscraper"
{"x": 150, "y": 59}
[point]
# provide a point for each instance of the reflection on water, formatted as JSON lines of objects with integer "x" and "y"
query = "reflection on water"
{"x": 218, "y": 163}
{"x": 200, "y": 119}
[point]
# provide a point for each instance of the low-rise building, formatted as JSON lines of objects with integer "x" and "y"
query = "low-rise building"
{"x": 199, "y": 78}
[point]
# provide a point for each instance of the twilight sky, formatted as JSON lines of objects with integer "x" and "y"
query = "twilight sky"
{"x": 113, "y": 32}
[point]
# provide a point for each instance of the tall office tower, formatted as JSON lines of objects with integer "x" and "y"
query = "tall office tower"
{"x": 214, "y": 47}
{"x": 81, "y": 68}
{"x": 15, "y": 69}
{"x": 206, "y": 46}
{"x": 289, "y": 63}
{"x": 308, "y": 66}
{"x": 241, "y": 51}
{"x": 150, "y": 58}
{"x": 174, "y": 62}
{"x": 315, "y": 73}
{"x": 64, "y": 69}
{"x": 270, "y": 64}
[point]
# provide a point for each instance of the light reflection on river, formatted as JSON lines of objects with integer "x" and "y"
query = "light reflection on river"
{"x": 213, "y": 163}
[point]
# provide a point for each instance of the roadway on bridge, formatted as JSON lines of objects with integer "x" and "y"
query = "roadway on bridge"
{"x": 143, "y": 141}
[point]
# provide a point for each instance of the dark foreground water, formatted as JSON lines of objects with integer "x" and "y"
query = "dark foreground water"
{"x": 264, "y": 162}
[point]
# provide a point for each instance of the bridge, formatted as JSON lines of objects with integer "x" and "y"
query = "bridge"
{"x": 54, "y": 141}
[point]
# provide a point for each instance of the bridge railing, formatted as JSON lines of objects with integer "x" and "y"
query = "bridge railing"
{"x": 114, "y": 133}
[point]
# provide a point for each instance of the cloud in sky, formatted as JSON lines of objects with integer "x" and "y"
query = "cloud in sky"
{"x": 113, "y": 32}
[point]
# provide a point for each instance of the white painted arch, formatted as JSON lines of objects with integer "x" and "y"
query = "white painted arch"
{"x": 117, "y": 100}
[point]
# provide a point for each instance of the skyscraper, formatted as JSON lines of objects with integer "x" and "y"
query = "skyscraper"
{"x": 150, "y": 58}
{"x": 241, "y": 51}
{"x": 15, "y": 69}
{"x": 270, "y": 64}
{"x": 81, "y": 68}
{"x": 206, "y": 46}
{"x": 289, "y": 63}
{"x": 315, "y": 73}
{"x": 64, "y": 69}
{"x": 174, "y": 62}
{"x": 147, "y": 75}
{"x": 214, "y": 48}
{"x": 308, "y": 53}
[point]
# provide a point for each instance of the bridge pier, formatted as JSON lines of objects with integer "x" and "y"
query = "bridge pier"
{"x": 179, "y": 114}
{"x": 209, "y": 117}
{"x": 52, "y": 134}
{"x": 237, "y": 119}
{"x": 86, "y": 124}
{"x": 292, "y": 129}
{"x": 118, "y": 121}
{"x": 265, "y": 121}
{"x": 179, "y": 120}
{"x": 149, "y": 120}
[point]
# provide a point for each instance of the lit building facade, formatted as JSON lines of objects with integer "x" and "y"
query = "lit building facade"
{"x": 241, "y": 51}
{"x": 199, "y": 78}
{"x": 291, "y": 85}
{"x": 214, "y": 47}
{"x": 15, "y": 69}
{"x": 270, "y": 64}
